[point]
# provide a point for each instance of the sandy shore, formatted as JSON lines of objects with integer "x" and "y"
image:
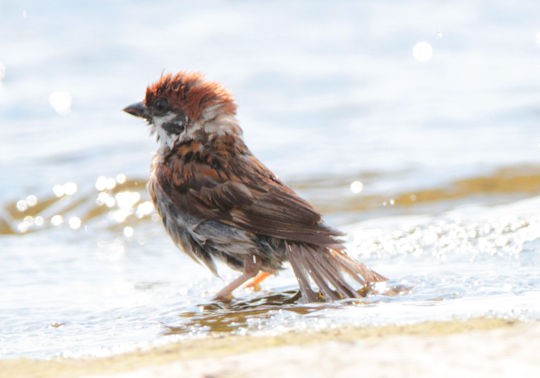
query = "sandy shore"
{"x": 477, "y": 347}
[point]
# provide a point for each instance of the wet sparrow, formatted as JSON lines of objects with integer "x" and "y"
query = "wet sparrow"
{"x": 218, "y": 201}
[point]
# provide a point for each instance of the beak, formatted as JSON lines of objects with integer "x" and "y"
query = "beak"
{"x": 138, "y": 110}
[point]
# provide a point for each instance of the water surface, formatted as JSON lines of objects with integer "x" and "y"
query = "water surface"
{"x": 432, "y": 168}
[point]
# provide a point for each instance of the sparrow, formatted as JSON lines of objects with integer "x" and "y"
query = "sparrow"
{"x": 217, "y": 201}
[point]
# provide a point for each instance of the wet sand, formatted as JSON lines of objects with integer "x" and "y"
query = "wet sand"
{"x": 479, "y": 347}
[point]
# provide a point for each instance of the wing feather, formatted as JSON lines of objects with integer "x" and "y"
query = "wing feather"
{"x": 244, "y": 195}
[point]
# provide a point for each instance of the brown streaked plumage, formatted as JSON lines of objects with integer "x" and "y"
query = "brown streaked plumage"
{"x": 218, "y": 201}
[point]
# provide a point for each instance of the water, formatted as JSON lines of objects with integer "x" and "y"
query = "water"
{"x": 432, "y": 168}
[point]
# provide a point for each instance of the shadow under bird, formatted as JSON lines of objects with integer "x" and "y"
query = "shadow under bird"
{"x": 218, "y": 201}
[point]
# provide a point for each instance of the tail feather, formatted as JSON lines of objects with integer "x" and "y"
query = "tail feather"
{"x": 355, "y": 269}
{"x": 320, "y": 277}
{"x": 297, "y": 261}
{"x": 332, "y": 274}
{"x": 325, "y": 267}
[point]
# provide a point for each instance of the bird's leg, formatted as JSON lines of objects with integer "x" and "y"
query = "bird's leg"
{"x": 251, "y": 268}
{"x": 256, "y": 281}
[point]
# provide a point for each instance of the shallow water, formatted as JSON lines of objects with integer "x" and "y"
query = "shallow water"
{"x": 432, "y": 168}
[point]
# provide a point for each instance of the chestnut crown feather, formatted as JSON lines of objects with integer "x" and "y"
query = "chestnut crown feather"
{"x": 189, "y": 93}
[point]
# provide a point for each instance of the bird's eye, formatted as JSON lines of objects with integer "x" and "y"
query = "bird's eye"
{"x": 161, "y": 105}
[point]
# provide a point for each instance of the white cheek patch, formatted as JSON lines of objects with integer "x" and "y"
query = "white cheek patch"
{"x": 165, "y": 138}
{"x": 159, "y": 121}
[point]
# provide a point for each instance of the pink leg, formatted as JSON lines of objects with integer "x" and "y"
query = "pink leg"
{"x": 251, "y": 268}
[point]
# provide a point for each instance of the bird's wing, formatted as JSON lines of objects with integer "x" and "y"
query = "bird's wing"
{"x": 243, "y": 193}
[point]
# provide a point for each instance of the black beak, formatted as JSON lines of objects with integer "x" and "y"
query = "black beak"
{"x": 138, "y": 110}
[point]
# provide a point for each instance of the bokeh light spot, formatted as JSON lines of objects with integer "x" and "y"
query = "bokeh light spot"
{"x": 31, "y": 200}
{"x": 61, "y": 102}
{"x": 356, "y": 187}
{"x": 128, "y": 231}
{"x": 21, "y": 205}
{"x": 121, "y": 178}
{"x": 74, "y": 223}
{"x": 143, "y": 209}
{"x": 57, "y": 220}
{"x": 422, "y": 52}
{"x": 105, "y": 183}
{"x": 70, "y": 188}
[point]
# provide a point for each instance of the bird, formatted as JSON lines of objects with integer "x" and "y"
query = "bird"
{"x": 218, "y": 202}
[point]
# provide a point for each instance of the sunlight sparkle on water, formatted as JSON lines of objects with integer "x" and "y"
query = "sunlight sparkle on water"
{"x": 25, "y": 225}
{"x": 127, "y": 199}
{"x": 21, "y": 205}
{"x": 39, "y": 221}
{"x": 121, "y": 178}
{"x": 31, "y": 200}
{"x": 143, "y": 209}
{"x": 66, "y": 189}
{"x": 422, "y": 52}
{"x": 74, "y": 223}
{"x": 128, "y": 232}
{"x": 61, "y": 102}
{"x": 356, "y": 187}
{"x": 57, "y": 220}
{"x": 106, "y": 199}
{"x": 105, "y": 183}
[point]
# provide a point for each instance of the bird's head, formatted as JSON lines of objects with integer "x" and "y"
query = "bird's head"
{"x": 184, "y": 107}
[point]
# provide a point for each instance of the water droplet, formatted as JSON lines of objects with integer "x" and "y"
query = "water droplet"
{"x": 356, "y": 187}
{"x": 39, "y": 221}
{"x": 61, "y": 102}
{"x": 422, "y": 52}
{"x": 392, "y": 202}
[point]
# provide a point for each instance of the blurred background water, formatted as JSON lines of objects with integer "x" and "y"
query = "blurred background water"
{"x": 412, "y": 125}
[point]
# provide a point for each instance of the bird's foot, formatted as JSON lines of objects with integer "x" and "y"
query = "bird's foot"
{"x": 255, "y": 282}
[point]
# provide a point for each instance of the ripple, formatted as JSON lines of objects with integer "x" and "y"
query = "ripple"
{"x": 124, "y": 201}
